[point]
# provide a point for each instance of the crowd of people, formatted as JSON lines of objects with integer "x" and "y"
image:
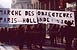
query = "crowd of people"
{"x": 60, "y": 32}
{"x": 31, "y": 34}
{"x": 35, "y": 35}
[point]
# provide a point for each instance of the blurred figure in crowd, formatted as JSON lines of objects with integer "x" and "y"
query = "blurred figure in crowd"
{"x": 41, "y": 28}
{"x": 75, "y": 39}
{"x": 29, "y": 37}
{"x": 2, "y": 35}
{"x": 35, "y": 35}
{"x": 20, "y": 37}
{"x": 62, "y": 31}
{"x": 5, "y": 35}
{"x": 9, "y": 34}
{"x": 53, "y": 33}
{"x": 57, "y": 29}
{"x": 69, "y": 35}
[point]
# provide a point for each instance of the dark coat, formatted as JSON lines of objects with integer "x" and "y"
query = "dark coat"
{"x": 69, "y": 32}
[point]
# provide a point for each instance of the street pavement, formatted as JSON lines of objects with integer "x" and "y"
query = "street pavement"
{"x": 46, "y": 46}
{"x": 9, "y": 47}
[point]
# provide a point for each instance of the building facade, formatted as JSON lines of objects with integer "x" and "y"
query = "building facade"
{"x": 38, "y": 4}
{"x": 21, "y": 4}
{"x": 46, "y": 4}
{"x": 35, "y": 4}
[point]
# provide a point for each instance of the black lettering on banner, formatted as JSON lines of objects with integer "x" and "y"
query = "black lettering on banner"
{"x": 20, "y": 13}
{"x": 32, "y": 13}
{"x": 29, "y": 13}
{"x": 60, "y": 14}
{"x": 70, "y": 15}
{"x": 57, "y": 21}
{"x": 12, "y": 12}
{"x": 38, "y": 12}
{"x": 8, "y": 12}
{"x": 64, "y": 14}
{"x": 42, "y": 13}
{"x": 67, "y": 15}
{"x": 23, "y": 20}
{"x": 34, "y": 20}
{"x": 65, "y": 22}
{"x": 16, "y": 12}
{"x": 26, "y": 12}
{"x": 30, "y": 20}
{"x": 15, "y": 20}
{"x": 61, "y": 21}
{"x": 49, "y": 14}
{"x": 8, "y": 20}
{"x": 48, "y": 20}
{"x": 40, "y": 19}
{"x": 27, "y": 20}
{"x": 45, "y": 13}
{"x": 53, "y": 14}
{"x": 56, "y": 14}
{"x": 11, "y": 20}
{"x": 44, "y": 19}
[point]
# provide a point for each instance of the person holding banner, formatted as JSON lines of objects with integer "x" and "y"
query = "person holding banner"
{"x": 69, "y": 35}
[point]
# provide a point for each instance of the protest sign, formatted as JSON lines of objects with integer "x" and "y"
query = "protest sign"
{"x": 18, "y": 16}
{"x": 55, "y": 17}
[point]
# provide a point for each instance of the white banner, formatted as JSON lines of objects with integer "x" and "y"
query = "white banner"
{"x": 33, "y": 16}
{"x": 18, "y": 16}
{"x": 55, "y": 17}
